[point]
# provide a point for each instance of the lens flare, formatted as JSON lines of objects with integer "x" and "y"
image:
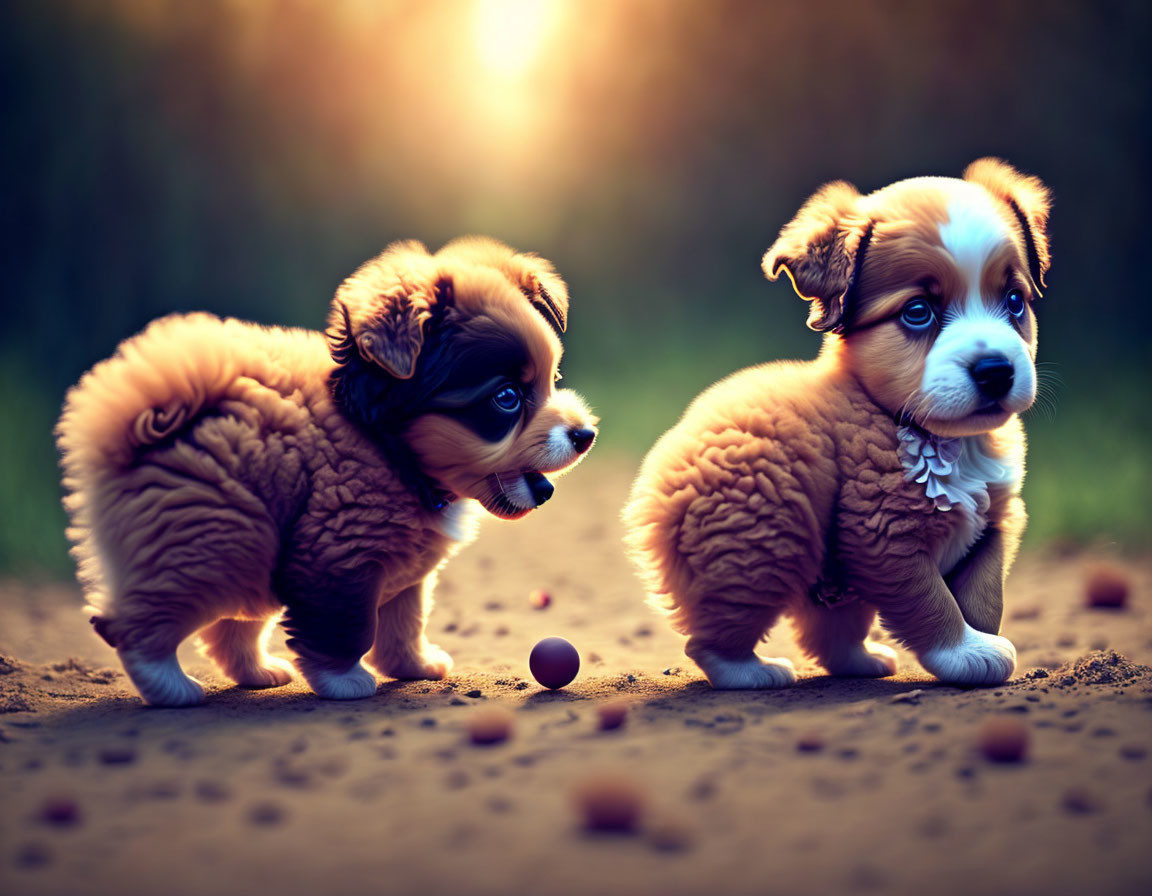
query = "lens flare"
{"x": 511, "y": 34}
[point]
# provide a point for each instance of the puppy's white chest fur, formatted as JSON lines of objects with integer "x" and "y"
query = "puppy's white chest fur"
{"x": 957, "y": 474}
{"x": 460, "y": 520}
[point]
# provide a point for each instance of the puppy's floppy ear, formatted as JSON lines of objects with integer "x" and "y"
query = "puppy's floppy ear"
{"x": 545, "y": 290}
{"x": 819, "y": 250}
{"x": 381, "y": 312}
{"x": 1028, "y": 198}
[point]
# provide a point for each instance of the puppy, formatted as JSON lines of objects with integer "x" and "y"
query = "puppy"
{"x": 220, "y": 474}
{"x": 882, "y": 476}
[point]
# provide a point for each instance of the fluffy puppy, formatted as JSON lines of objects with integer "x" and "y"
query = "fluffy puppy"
{"x": 221, "y": 474}
{"x": 882, "y": 476}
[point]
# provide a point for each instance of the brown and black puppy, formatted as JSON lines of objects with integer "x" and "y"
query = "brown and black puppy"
{"x": 220, "y": 474}
{"x": 882, "y": 476}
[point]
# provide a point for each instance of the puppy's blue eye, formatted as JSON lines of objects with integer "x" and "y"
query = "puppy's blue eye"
{"x": 917, "y": 315}
{"x": 1014, "y": 302}
{"x": 507, "y": 399}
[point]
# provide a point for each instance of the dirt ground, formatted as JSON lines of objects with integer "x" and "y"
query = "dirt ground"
{"x": 832, "y": 786}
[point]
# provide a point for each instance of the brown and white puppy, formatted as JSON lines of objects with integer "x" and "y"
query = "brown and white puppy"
{"x": 882, "y": 476}
{"x": 220, "y": 474}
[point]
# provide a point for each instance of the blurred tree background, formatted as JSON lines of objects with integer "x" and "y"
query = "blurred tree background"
{"x": 242, "y": 157}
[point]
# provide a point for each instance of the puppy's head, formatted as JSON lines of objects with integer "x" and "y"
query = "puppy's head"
{"x": 930, "y": 284}
{"x": 450, "y": 362}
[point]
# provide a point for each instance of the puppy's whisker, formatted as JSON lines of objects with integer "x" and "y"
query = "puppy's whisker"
{"x": 912, "y": 406}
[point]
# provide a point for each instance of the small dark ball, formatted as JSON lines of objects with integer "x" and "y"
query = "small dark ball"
{"x": 554, "y": 662}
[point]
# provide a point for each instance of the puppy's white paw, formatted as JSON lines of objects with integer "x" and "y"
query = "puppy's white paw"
{"x": 978, "y": 659}
{"x": 432, "y": 664}
{"x": 748, "y": 673}
{"x": 862, "y": 661}
{"x": 355, "y": 684}
{"x": 161, "y": 682}
{"x": 272, "y": 672}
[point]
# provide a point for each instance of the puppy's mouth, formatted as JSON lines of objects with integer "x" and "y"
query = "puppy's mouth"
{"x": 988, "y": 408}
{"x": 513, "y": 495}
{"x": 982, "y": 418}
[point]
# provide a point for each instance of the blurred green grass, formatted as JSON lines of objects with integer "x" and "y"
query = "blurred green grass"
{"x": 32, "y": 520}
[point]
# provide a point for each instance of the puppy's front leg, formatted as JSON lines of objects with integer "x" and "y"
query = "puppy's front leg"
{"x": 977, "y": 583}
{"x": 917, "y": 606}
{"x": 329, "y": 631}
{"x": 401, "y": 649}
{"x": 978, "y": 579}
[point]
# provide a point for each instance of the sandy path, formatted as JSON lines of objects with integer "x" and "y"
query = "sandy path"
{"x": 832, "y": 786}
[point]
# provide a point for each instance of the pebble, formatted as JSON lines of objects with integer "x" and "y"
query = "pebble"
{"x": 491, "y": 725}
{"x": 612, "y": 715}
{"x": 609, "y": 803}
{"x": 1106, "y": 587}
{"x": 1003, "y": 739}
{"x": 1080, "y": 801}
{"x": 457, "y": 779}
{"x": 1134, "y": 751}
{"x": 117, "y": 755}
{"x": 474, "y": 695}
{"x": 61, "y": 812}
{"x": 811, "y": 742}
{"x": 162, "y": 790}
{"x": 266, "y": 814}
{"x": 499, "y": 804}
{"x": 34, "y": 854}
{"x": 668, "y": 835}
{"x": 540, "y": 599}
{"x": 210, "y": 791}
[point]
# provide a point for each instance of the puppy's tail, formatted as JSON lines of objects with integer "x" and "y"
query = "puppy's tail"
{"x": 156, "y": 385}
{"x": 651, "y": 523}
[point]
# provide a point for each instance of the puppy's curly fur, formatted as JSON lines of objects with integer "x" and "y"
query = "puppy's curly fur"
{"x": 219, "y": 473}
{"x": 882, "y": 476}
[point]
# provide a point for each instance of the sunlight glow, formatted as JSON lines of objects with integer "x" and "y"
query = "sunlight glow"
{"x": 511, "y": 34}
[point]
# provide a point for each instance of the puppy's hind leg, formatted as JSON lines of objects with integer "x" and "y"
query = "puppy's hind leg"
{"x": 835, "y": 637}
{"x": 724, "y": 634}
{"x": 401, "y": 650}
{"x": 237, "y": 647}
{"x": 148, "y": 652}
{"x": 330, "y": 629}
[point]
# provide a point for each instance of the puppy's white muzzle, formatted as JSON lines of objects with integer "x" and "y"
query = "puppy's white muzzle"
{"x": 978, "y": 365}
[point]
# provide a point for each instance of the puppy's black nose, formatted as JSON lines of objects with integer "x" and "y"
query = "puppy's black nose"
{"x": 581, "y": 439}
{"x": 993, "y": 376}
{"x": 540, "y": 487}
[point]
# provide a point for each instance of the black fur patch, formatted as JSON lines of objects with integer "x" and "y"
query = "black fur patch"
{"x": 459, "y": 366}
